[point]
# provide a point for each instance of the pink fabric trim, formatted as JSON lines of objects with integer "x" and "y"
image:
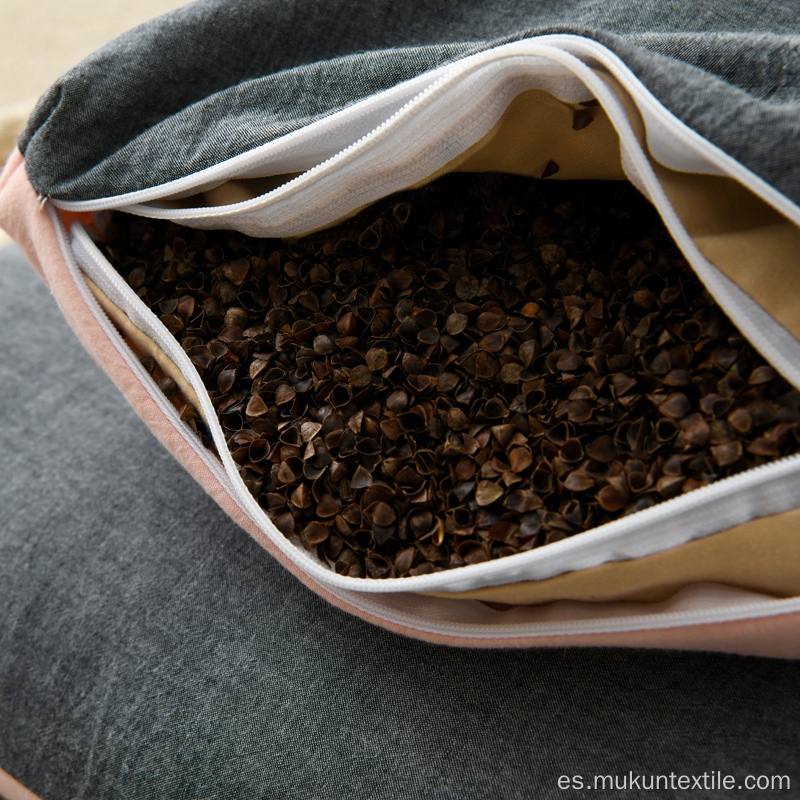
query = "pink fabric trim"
{"x": 20, "y": 215}
{"x": 8, "y": 218}
{"x": 12, "y": 789}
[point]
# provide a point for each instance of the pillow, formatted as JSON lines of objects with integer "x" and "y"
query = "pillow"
{"x": 272, "y": 143}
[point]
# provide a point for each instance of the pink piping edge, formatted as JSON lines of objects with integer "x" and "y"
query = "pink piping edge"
{"x": 20, "y": 213}
{"x": 12, "y": 789}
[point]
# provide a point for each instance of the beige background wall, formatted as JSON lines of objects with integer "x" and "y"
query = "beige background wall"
{"x": 41, "y": 39}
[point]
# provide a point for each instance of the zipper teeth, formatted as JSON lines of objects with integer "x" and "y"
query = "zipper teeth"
{"x": 109, "y": 280}
{"x": 317, "y": 168}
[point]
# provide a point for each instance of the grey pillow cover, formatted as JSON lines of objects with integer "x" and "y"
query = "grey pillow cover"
{"x": 150, "y": 649}
{"x": 219, "y": 77}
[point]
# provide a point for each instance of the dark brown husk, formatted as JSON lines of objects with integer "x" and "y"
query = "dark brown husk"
{"x": 461, "y": 372}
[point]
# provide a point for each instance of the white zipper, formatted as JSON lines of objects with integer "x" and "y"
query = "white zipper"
{"x": 673, "y": 143}
{"x": 130, "y": 359}
{"x": 768, "y": 489}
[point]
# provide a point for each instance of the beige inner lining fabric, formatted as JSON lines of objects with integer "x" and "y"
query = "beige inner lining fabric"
{"x": 230, "y": 192}
{"x": 762, "y": 555}
{"x": 756, "y": 247}
{"x": 537, "y": 129}
{"x": 142, "y": 345}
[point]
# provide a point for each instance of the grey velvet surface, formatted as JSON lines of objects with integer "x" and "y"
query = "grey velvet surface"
{"x": 150, "y": 649}
{"x": 219, "y": 77}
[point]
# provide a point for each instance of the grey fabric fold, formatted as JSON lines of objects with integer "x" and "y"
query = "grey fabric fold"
{"x": 215, "y": 79}
{"x": 150, "y": 649}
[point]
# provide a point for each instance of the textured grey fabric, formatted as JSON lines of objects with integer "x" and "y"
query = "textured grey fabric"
{"x": 217, "y": 78}
{"x": 149, "y": 649}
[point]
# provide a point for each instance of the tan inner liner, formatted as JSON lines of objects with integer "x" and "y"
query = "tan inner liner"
{"x": 741, "y": 235}
{"x": 537, "y": 129}
{"x": 750, "y": 242}
{"x": 762, "y": 555}
{"x": 230, "y": 192}
{"x": 142, "y": 345}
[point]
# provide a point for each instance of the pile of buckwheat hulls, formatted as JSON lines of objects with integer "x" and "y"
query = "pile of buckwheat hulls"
{"x": 463, "y": 371}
